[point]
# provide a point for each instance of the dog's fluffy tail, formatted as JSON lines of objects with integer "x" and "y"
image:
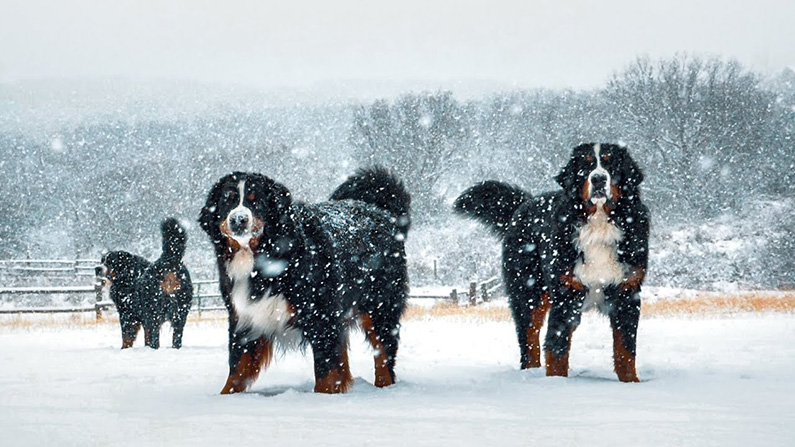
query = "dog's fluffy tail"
{"x": 379, "y": 187}
{"x": 175, "y": 238}
{"x": 492, "y": 203}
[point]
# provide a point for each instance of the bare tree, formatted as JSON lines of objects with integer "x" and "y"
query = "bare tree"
{"x": 418, "y": 137}
{"x": 703, "y": 122}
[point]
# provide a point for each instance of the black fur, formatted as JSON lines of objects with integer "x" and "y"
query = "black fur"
{"x": 338, "y": 260}
{"x": 150, "y": 294}
{"x": 123, "y": 269}
{"x": 493, "y": 203}
{"x": 158, "y": 303}
{"x": 380, "y": 188}
{"x": 538, "y": 236}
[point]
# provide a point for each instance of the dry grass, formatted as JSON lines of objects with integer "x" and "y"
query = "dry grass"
{"x": 443, "y": 310}
{"x": 88, "y": 320}
{"x": 703, "y": 304}
{"x": 707, "y": 303}
{"x": 711, "y": 304}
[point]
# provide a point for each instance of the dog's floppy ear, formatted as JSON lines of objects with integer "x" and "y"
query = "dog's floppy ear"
{"x": 568, "y": 175}
{"x": 634, "y": 173}
{"x": 208, "y": 216}
{"x": 280, "y": 197}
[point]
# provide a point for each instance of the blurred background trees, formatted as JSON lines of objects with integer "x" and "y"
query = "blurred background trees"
{"x": 715, "y": 139}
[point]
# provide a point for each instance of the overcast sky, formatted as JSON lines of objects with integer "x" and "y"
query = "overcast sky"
{"x": 301, "y": 44}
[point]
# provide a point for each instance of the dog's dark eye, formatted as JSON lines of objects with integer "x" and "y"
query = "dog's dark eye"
{"x": 589, "y": 158}
{"x": 229, "y": 195}
{"x": 251, "y": 197}
{"x": 606, "y": 157}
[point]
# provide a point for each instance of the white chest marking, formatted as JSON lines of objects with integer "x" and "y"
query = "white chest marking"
{"x": 267, "y": 316}
{"x": 598, "y": 241}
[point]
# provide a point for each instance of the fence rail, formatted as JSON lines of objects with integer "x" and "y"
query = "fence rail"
{"x": 204, "y": 290}
{"x": 47, "y": 267}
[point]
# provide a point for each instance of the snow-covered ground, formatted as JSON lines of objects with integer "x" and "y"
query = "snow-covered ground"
{"x": 706, "y": 381}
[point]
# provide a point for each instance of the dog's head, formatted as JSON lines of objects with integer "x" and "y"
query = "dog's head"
{"x": 248, "y": 210}
{"x": 120, "y": 267}
{"x": 599, "y": 174}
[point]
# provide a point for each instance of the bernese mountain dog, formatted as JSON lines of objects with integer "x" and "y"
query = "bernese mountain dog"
{"x": 149, "y": 294}
{"x": 295, "y": 274}
{"x": 566, "y": 251}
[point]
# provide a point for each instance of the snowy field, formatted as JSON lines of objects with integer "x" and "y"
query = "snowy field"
{"x": 706, "y": 381}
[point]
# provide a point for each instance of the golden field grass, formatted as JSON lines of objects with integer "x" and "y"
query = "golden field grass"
{"x": 701, "y": 304}
{"x": 707, "y": 303}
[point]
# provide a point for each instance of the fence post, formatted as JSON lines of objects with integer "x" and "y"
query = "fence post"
{"x": 454, "y": 296}
{"x": 473, "y": 293}
{"x": 199, "y": 299}
{"x": 484, "y": 293}
{"x": 98, "y": 286}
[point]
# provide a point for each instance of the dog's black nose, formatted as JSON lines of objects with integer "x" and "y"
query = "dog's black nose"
{"x": 598, "y": 181}
{"x": 238, "y": 223}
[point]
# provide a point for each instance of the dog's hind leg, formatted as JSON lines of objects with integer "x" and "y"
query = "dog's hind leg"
{"x": 178, "y": 326}
{"x": 529, "y": 319}
{"x": 383, "y": 338}
{"x": 152, "y": 335}
{"x": 129, "y": 331}
{"x": 176, "y": 339}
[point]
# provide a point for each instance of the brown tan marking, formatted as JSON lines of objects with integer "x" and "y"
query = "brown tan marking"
{"x": 570, "y": 282}
{"x": 590, "y": 207}
{"x": 615, "y": 191}
{"x": 633, "y": 281}
{"x": 623, "y": 360}
{"x": 256, "y": 228}
{"x": 558, "y": 366}
{"x": 249, "y": 366}
{"x": 382, "y": 376}
{"x": 533, "y": 343}
{"x": 170, "y": 284}
{"x": 147, "y": 336}
{"x": 339, "y": 379}
{"x": 233, "y": 245}
{"x": 128, "y": 340}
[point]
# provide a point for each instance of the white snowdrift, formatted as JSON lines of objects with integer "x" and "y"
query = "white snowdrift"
{"x": 705, "y": 382}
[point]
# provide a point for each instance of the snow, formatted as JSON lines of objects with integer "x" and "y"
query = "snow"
{"x": 706, "y": 381}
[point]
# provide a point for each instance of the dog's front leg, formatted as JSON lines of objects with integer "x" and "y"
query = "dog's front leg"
{"x": 624, "y": 313}
{"x": 332, "y": 370}
{"x": 247, "y": 358}
{"x": 564, "y": 317}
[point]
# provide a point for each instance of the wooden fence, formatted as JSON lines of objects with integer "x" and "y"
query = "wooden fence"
{"x": 206, "y": 295}
{"x": 50, "y": 268}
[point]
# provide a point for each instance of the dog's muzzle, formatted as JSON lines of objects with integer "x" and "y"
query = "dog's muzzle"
{"x": 598, "y": 186}
{"x": 240, "y": 222}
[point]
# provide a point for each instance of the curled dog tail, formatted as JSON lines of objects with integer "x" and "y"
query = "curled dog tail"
{"x": 492, "y": 203}
{"x": 380, "y": 187}
{"x": 175, "y": 238}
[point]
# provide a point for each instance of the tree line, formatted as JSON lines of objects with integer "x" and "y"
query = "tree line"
{"x": 711, "y": 134}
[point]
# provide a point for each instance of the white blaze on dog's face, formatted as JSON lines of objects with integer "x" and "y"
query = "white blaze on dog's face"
{"x": 239, "y": 223}
{"x": 598, "y": 188}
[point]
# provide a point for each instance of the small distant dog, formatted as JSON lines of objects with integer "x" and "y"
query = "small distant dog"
{"x": 120, "y": 270}
{"x": 150, "y": 294}
{"x": 569, "y": 250}
{"x": 298, "y": 274}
